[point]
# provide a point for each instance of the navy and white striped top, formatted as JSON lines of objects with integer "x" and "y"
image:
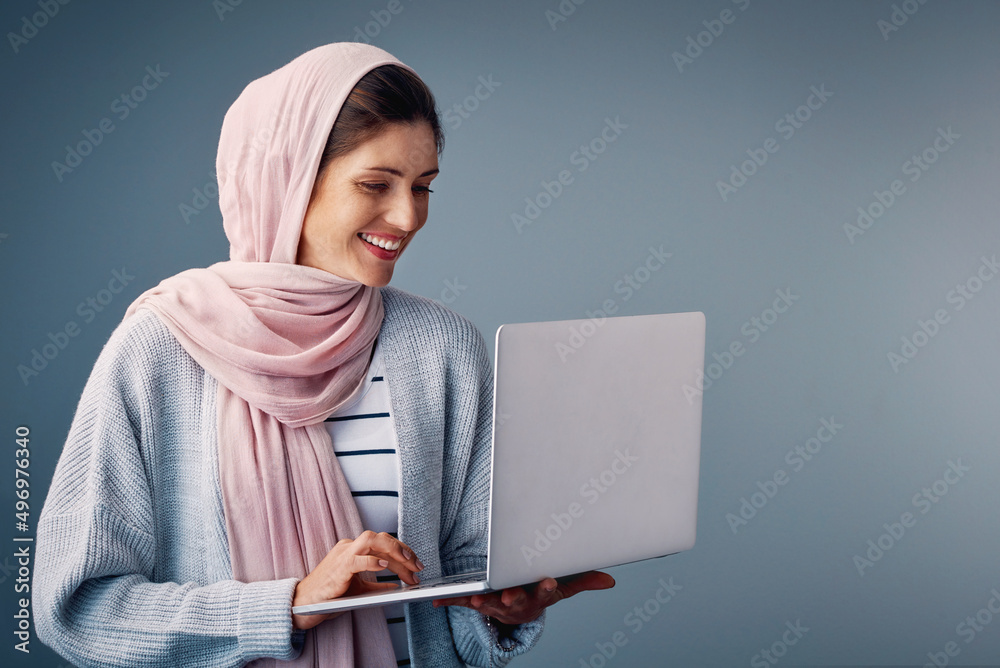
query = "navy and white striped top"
{"x": 364, "y": 439}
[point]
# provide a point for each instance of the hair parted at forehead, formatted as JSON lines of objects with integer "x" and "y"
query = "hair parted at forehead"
{"x": 387, "y": 94}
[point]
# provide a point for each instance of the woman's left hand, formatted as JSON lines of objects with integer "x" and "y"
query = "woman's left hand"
{"x": 519, "y": 605}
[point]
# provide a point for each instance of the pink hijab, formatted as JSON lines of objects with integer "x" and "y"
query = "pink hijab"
{"x": 288, "y": 344}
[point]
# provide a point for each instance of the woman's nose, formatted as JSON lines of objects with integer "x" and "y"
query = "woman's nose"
{"x": 403, "y": 212}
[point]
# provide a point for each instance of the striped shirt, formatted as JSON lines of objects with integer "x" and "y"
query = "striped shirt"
{"x": 364, "y": 440}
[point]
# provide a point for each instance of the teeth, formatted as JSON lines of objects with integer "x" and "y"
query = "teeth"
{"x": 382, "y": 243}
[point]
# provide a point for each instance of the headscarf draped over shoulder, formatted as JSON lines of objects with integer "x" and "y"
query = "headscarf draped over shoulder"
{"x": 287, "y": 344}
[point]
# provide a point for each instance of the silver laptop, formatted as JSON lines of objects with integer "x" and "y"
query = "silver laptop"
{"x": 596, "y": 451}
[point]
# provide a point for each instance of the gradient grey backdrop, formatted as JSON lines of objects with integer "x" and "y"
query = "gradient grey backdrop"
{"x": 825, "y": 357}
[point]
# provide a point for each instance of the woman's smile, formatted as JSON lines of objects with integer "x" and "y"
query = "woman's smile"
{"x": 384, "y": 247}
{"x": 385, "y": 243}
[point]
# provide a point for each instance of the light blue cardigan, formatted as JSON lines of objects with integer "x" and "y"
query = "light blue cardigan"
{"x": 132, "y": 565}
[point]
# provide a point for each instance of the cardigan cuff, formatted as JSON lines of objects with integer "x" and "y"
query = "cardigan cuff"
{"x": 265, "y": 620}
{"x": 479, "y": 647}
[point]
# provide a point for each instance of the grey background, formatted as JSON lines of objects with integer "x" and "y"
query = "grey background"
{"x": 826, "y": 357}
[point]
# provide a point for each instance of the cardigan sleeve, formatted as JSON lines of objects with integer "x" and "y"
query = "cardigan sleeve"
{"x": 96, "y": 592}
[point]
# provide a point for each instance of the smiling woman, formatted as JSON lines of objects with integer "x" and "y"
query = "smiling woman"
{"x": 200, "y": 493}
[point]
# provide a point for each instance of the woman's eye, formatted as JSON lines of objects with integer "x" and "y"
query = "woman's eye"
{"x": 381, "y": 188}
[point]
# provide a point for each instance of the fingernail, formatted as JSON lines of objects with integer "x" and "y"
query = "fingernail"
{"x": 420, "y": 565}
{"x": 406, "y": 554}
{"x": 416, "y": 577}
{"x": 383, "y": 563}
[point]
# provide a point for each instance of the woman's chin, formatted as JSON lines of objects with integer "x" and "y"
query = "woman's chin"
{"x": 377, "y": 280}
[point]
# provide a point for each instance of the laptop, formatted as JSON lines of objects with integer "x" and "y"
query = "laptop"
{"x": 596, "y": 452}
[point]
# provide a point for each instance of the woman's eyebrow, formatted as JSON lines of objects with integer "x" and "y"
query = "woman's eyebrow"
{"x": 396, "y": 172}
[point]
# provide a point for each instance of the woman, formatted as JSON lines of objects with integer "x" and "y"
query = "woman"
{"x": 199, "y": 495}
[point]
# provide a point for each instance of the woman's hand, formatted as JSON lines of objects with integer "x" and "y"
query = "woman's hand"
{"x": 337, "y": 575}
{"x": 519, "y": 605}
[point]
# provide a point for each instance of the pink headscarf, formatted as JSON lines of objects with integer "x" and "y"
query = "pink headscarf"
{"x": 288, "y": 344}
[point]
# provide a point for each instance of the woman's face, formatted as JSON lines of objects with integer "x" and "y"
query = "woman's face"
{"x": 368, "y": 204}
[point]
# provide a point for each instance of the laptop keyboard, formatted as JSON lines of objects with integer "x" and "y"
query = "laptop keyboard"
{"x": 462, "y": 578}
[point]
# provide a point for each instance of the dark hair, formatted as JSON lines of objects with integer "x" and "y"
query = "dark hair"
{"x": 388, "y": 94}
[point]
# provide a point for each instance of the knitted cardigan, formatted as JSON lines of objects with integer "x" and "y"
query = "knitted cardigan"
{"x": 132, "y": 564}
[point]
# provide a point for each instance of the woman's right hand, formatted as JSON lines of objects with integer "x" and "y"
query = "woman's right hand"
{"x": 337, "y": 574}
